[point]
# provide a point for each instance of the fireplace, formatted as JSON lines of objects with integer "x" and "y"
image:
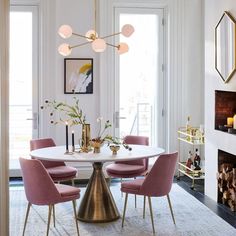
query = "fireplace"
{"x": 225, "y": 107}
{"x": 227, "y": 179}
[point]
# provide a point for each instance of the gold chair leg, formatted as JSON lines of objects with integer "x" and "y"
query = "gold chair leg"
{"x": 150, "y": 207}
{"x": 73, "y": 182}
{"x": 171, "y": 210}
{"x": 123, "y": 218}
{"x": 26, "y": 217}
{"x": 109, "y": 182}
{"x": 49, "y": 217}
{"x": 144, "y": 206}
{"x": 121, "y": 180}
{"x": 135, "y": 198}
{"x": 76, "y": 221}
{"x": 54, "y": 215}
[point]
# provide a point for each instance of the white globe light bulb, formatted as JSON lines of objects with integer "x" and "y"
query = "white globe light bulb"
{"x": 99, "y": 45}
{"x": 127, "y": 30}
{"x": 122, "y": 48}
{"x": 65, "y": 31}
{"x": 64, "y": 49}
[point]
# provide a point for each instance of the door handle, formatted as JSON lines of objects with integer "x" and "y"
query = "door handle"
{"x": 117, "y": 119}
{"x": 35, "y": 120}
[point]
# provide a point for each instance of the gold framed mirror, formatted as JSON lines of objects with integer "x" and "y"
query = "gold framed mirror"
{"x": 225, "y": 46}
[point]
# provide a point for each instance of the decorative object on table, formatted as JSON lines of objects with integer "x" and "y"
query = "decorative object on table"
{"x": 73, "y": 115}
{"x": 197, "y": 160}
{"x": 85, "y": 145}
{"x": 225, "y": 44}
{"x": 97, "y": 142}
{"x": 67, "y": 145}
{"x": 78, "y": 75}
{"x": 98, "y": 43}
{"x": 102, "y": 137}
{"x": 114, "y": 149}
{"x": 73, "y": 140}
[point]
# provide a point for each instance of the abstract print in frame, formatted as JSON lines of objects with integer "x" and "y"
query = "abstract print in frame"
{"x": 78, "y": 76}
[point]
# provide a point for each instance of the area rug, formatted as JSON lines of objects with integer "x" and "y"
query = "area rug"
{"x": 192, "y": 218}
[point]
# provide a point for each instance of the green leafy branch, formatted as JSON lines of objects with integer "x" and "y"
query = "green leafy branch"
{"x": 73, "y": 113}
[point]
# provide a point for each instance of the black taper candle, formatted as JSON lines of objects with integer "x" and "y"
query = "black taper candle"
{"x": 67, "y": 146}
{"x": 73, "y": 140}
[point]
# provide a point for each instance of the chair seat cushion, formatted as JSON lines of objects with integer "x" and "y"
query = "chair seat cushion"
{"x": 132, "y": 186}
{"x": 124, "y": 170}
{"x": 68, "y": 192}
{"x": 60, "y": 172}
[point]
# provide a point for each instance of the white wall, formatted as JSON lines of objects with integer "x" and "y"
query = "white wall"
{"x": 215, "y": 139}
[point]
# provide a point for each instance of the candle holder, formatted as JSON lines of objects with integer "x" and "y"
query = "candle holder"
{"x": 68, "y": 153}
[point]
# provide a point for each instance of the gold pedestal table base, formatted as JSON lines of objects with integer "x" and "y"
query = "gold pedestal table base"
{"x": 97, "y": 205}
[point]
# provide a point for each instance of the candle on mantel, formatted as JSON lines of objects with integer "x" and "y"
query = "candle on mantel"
{"x": 230, "y": 121}
{"x": 73, "y": 140}
{"x": 234, "y": 121}
{"x": 67, "y": 146}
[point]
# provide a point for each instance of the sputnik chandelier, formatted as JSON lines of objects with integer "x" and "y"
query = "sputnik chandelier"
{"x": 97, "y": 42}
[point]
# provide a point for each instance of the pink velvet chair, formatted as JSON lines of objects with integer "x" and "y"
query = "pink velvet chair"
{"x": 156, "y": 184}
{"x": 56, "y": 169}
{"x": 130, "y": 169}
{"x": 41, "y": 190}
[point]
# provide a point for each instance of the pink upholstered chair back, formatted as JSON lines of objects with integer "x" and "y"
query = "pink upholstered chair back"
{"x": 39, "y": 187}
{"x": 44, "y": 143}
{"x": 139, "y": 140}
{"x": 160, "y": 178}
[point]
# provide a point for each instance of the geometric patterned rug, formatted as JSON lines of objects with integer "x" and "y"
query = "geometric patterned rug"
{"x": 192, "y": 217}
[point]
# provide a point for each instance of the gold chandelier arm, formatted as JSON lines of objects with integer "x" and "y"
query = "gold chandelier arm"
{"x": 78, "y": 45}
{"x": 80, "y": 35}
{"x": 114, "y": 46}
{"x": 111, "y": 35}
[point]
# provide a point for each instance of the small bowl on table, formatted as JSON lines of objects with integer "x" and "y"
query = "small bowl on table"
{"x": 114, "y": 149}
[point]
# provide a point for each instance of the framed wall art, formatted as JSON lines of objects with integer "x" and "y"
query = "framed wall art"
{"x": 78, "y": 76}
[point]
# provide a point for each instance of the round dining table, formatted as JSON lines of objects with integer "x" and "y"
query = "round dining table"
{"x": 97, "y": 205}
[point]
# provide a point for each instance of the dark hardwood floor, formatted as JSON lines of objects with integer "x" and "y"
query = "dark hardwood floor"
{"x": 221, "y": 210}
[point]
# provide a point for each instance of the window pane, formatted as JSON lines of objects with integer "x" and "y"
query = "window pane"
{"x": 138, "y": 76}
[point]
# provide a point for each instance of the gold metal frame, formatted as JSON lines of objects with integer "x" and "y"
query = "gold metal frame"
{"x": 51, "y": 208}
{"x": 229, "y": 16}
{"x": 151, "y": 211}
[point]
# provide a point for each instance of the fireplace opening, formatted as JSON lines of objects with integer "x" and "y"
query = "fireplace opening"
{"x": 225, "y": 109}
{"x": 227, "y": 179}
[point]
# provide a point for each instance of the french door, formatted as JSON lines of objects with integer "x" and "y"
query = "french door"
{"x": 139, "y": 86}
{"x": 23, "y": 82}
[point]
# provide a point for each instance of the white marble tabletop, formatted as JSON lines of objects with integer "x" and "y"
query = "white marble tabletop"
{"x": 57, "y": 153}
